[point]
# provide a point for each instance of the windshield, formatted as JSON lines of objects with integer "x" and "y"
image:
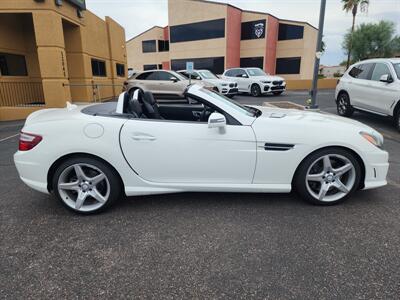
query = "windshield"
{"x": 397, "y": 69}
{"x": 207, "y": 75}
{"x": 233, "y": 104}
{"x": 256, "y": 72}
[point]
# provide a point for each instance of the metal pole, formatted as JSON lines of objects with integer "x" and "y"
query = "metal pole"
{"x": 314, "y": 90}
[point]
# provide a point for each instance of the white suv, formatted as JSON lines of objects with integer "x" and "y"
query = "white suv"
{"x": 373, "y": 86}
{"x": 224, "y": 87}
{"x": 255, "y": 81}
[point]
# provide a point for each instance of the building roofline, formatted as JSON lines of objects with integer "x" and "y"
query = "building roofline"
{"x": 235, "y": 7}
{"x": 156, "y": 26}
{"x": 254, "y": 11}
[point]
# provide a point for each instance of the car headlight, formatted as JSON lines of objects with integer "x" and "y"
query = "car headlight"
{"x": 265, "y": 81}
{"x": 375, "y": 139}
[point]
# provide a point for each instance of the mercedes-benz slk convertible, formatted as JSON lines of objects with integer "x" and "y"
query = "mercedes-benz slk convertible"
{"x": 89, "y": 157}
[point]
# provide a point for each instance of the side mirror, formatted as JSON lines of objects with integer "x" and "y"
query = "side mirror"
{"x": 174, "y": 79}
{"x": 245, "y": 76}
{"x": 386, "y": 78}
{"x": 216, "y": 120}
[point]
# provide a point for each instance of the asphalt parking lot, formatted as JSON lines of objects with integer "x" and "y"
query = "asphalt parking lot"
{"x": 203, "y": 245}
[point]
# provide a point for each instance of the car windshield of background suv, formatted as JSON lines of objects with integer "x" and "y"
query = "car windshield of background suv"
{"x": 208, "y": 75}
{"x": 397, "y": 69}
{"x": 256, "y": 72}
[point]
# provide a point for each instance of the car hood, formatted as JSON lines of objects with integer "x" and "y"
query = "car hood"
{"x": 218, "y": 81}
{"x": 309, "y": 119}
{"x": 268, "y": 78}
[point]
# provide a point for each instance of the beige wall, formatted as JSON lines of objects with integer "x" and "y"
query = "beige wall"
{"x": 136, "y": 57}
{"x": 58, "y": 47}
{"x": 304, "y": 48}
{"x": 253, "y": 48}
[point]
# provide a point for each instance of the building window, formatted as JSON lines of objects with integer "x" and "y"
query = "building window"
{"x": 253, "y": 30}
{"x": 252, "y": 62}
{"x": 213, "y": 64}
{"x": 198, "y": 31}
{"x": 160, "y": 66}
{"x": 290, "y": 32}
{"x": 98, "y": 68}
{"x": 288, "y": 65}
{"x": 149, "y": 46}
{"x": 163, "y": 46}
{"x": 12, "y": 65}
{"x": 149, "y": 67}
{"x": 120, "y": 70}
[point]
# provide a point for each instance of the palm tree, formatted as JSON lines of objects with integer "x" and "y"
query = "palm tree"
{"x": 353, "y": 5}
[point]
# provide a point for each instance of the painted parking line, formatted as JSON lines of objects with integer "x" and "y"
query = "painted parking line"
{"x": 9, "y": 137}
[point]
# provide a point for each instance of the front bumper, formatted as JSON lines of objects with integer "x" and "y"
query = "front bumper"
{"x": 270, "y": 88}
{"x": 229, "y": 90}
{"x": 376, "y": 169}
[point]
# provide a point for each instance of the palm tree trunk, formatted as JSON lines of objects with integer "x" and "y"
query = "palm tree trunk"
{"x": 351, "y": 42}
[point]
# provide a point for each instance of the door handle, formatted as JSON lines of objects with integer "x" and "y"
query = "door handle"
{"x": 143, "y": 138}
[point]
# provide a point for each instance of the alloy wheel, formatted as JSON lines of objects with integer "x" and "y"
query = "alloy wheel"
{"x": 342, "y": 105}
{"x": 330, "y": 178}
{"x": 83, "y": 187}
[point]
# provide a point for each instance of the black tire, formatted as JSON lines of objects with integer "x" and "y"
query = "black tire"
{"x": 115, "y": 184}
{"x": 255, "y": 90}
{"x": 396, "y": 119}
{"x": 277, "y": 93}
{"x": 230, "y": 96}
{"x": 299, "y": 182}
{"x": 343, "y": 104}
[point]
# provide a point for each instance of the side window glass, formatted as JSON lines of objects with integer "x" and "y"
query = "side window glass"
{"x": 362, "y": 71}
{"x": 240, "y": 73}
{"x": 165, "y": 76}
{"x": 152, "y": 76}
{"x": 144, "y": 76}
{"x": 379, "y": 70}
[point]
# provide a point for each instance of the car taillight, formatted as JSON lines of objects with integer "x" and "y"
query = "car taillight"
{"x": 28, "y": 140}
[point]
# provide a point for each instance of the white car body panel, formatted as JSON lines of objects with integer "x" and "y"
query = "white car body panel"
{"x": 185, "y": 156}
{"x": 371, "y": 95}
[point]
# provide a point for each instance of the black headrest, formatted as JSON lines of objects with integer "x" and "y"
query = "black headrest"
{"x": 149, "y": 98}
{"x": 126, "y": 102}
{"x": 134, "y": 107}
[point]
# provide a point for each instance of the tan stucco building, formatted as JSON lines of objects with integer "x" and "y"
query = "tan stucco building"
{"x": 53, "y": 51}
{"x": 218, "y": 36}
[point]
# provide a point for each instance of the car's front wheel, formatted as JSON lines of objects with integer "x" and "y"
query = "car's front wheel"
{"x": 255, "y": 90}
{"x": 344, "y": 107}
{"x": 328, "y": 176}
{"x": 86, "y": 185}
{"x": 397, "y": 119}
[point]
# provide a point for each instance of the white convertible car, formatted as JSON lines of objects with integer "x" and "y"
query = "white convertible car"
{"x": 89, "y": 157}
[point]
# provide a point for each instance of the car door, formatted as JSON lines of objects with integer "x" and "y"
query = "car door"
{"x": 359, "y": 84}
{"x": 380, "y": 96}
{"x": 242, "y": 79}
{"x": 148, "y": 81}
{"x": 168, "y": 84}
{"x": 165, "y": 151}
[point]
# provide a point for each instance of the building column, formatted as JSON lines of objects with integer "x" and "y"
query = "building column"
{"x": 272, "y": 43}
{"x": 52, "y": 57}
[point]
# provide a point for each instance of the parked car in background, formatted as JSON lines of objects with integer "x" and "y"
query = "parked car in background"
{"x": 131, "y": 72}
{"x": 162, "y": 83}
{"x": 373, "y": 86}
{"x": 225, "y": 87}
{"x": 255, "y": 81}
{"x": 137, "y": 146}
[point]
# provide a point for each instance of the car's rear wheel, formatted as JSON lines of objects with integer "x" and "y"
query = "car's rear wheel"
{"x": 86, "y": 185}
{"x": 328, "y": 177}
{"x": 344, "y": 107}
{"x": 277, "y": 93}
{"x": 255, "y": 90}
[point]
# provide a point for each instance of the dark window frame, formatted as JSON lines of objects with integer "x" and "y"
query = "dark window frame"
{"x": 248, "y": 30}
{"x": 99, "y": 68}
{"x": 281, "y": 60}
{"x": 252, "y": 62}
{"x": 198, "y": 31}
{"x": 288, "y": 32}
{"x": 8, "y": 69}
{"x": 118, "y": 68}
{"x": 150, "y": 67}
{"x": 163, "y": 46}
{"x": 216, "y": 67}
{"x": 149, "y": 46}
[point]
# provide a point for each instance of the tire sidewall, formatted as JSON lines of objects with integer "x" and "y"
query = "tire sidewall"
{"x": 349, "y": 109}
{"x": 301, "y": 173}
{"x": 115, "y": 184}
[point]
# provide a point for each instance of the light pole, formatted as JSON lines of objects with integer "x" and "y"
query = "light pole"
{"x": 318, "y": 53}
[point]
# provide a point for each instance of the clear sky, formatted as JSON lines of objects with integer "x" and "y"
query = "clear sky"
{"x": 139, "y": 15}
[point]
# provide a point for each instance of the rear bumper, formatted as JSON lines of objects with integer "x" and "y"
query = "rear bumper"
{"x": 376, "y": 169}
{"x": 31, "y": 173}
